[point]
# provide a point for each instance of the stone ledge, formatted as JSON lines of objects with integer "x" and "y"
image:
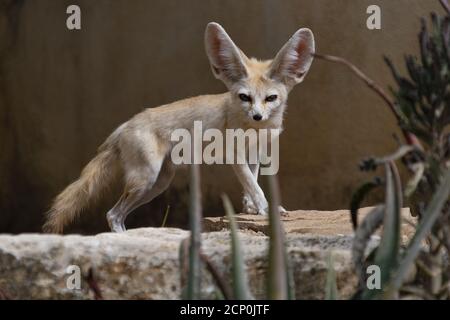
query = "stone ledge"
{"x": 144, "y": 263}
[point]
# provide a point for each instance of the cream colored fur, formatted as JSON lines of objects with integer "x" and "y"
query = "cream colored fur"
{"x": 138, "y": 151}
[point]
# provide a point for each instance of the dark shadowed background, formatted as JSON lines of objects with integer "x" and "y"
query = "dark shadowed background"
{"x": 62, "y": 93}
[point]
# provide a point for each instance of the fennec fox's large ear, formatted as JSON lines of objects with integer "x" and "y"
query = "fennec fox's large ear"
{"x": 227, "y": 61}
{"x": 293, "y": 60}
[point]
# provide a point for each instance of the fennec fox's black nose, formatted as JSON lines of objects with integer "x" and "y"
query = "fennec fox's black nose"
{"x": 257, "y": 117}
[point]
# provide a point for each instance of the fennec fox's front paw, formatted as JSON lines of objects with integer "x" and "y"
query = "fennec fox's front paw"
{"x": 282, "y": 210}
{"x": 250, "y": 208}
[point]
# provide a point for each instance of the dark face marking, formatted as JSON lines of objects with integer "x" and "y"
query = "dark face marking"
{"x": 245, "y": 97}
{"x": 271, "y": 98}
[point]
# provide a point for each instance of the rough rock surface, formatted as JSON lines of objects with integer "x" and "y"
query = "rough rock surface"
{"x": 330, "y": 223}
{"x": 144, "y": 263}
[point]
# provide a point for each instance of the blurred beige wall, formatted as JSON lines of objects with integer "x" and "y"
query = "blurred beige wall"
{"x": 62, "y": 92}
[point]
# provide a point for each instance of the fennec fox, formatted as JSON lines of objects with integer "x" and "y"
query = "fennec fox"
{"x": 138, "y": 152}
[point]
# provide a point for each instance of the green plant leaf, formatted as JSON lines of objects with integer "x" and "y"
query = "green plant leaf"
{"x": 239, "y": 275}
{"x": 183, "y": 260}
{"x": 432, "y": 212}
{"x": 331, "y": 292}
{"x": 388, "y": 250}
{"x": 224, "y": 291}
{"x": 166, "y": 214}
{"x": 279, "y": 285}
{"x": 195, "y": 218}
{"x": 369, "y": 225}
{"x": 358, "y": 196}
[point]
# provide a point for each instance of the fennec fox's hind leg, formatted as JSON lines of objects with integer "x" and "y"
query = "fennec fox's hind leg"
{"x": 139, "y": 191}
{"x": 139, "y": 180}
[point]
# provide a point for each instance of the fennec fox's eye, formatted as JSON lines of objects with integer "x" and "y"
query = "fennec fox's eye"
{"x": 245, "y": 97}
{"x": 271, "y": 98}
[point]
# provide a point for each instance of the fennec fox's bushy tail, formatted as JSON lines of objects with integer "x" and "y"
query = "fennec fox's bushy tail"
{"x": 94, "y": 180}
